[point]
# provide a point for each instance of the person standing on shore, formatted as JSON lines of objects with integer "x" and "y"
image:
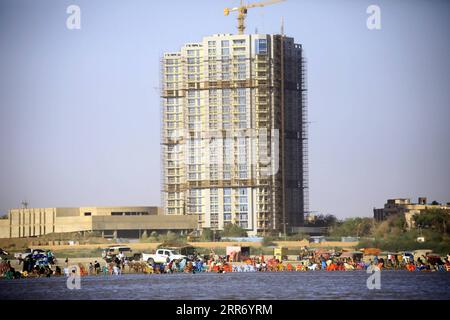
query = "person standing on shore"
{"x": 97, "y": 267}
{"x": 66, "y": 267}
{"x": 91, "y": 268}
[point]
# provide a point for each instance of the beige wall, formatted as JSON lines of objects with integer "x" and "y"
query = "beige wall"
{"x": 73, "y": 224}
{"x": 67, "y": 212}
{"x": 106, "y": 211}
{"x": 143, "y": 222}
{"x": 31, "y": 222}
{"x": 4, "y": 228}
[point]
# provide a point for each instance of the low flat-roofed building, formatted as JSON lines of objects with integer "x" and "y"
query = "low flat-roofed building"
{"x": 4, "y": 228}
{"x": 404, "y": 206}
{"x": 117, "y": 222}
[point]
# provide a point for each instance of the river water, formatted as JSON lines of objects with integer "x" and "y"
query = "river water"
{"x": 247, "y": 286}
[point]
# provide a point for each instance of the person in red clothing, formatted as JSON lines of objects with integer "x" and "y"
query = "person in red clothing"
{"x": 331, "y": 267}
{"x": 447, "y": 265}
{"x": 411, "y": 267}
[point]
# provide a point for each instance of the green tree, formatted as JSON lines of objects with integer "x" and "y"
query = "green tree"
{"x": 169, "y": 236}
{"x": 329, "y": 220}
{"x": 153, "y": 236}
{"x": 207, "y": 234}
{"x": 356, "y": 227}
{"x": 233, "y": 230}
{"x": 436, "y": 219}
{"x": 394, "y": 225}
{"x": 321, "y": 220}
{"x": 267, "y": 242}
{"x": 398, "y": 221}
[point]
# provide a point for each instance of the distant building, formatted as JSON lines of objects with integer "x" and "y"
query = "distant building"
{"x": 111, "y": 222}
{"x": 404, "y": 206}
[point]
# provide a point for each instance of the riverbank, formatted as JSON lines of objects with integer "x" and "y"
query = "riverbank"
{"x": 94, "y": 250}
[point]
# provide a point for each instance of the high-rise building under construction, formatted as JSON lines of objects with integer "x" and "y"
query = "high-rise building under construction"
{"x": 234, "y": 132}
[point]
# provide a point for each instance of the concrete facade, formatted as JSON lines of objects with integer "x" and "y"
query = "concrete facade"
{"x": 234, "y": 132}
{"x": 405, "y": 207}
{"x": 110, "y": 221}
{"x": 4, "y": 228}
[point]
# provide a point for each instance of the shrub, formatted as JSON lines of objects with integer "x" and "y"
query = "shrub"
{"x": 153, "y": 237}
{"x": 233, "y": 230}
{"x": 267, "y": 242}
{"x": 172, "y": 243}
{"x": 207, "y": 234}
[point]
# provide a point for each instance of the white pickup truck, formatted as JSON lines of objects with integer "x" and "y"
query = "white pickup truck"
{"x": 162, "y": 256}
{"x": 27, "y": 252}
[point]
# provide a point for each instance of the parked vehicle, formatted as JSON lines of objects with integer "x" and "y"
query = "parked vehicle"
{"x": 22, "y": 255}
{"x": 3, "y": 254}
{"x": 110, "y": 253}
{"x": 422, "y": 253}
{"x": 38, "y": 256}
{"x": 407, "y": 256}
{"x": 162, "y": 256}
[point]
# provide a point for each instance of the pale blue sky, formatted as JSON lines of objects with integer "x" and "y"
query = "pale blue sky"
{"x": 79, "y": 109}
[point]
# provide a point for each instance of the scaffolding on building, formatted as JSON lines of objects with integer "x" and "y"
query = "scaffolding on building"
{"x": 305, "y": 125}
{"x": 265, "y": 84}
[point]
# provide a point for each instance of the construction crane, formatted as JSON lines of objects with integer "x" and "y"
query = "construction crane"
{"x": 242, "y": 11}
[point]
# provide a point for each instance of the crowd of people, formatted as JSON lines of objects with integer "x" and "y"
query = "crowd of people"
{"x": 44, "y": 265}
{"x": 33, "y": 265}
{"x": 312, "y": 261}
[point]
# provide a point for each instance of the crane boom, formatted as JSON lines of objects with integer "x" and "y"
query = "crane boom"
{"x": 242, "y": 11}
{"x": 263, "y": 4}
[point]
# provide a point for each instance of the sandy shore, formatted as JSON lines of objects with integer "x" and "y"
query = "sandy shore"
{"x": 153, "y": 245}
{"x": 61, "y": 262}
